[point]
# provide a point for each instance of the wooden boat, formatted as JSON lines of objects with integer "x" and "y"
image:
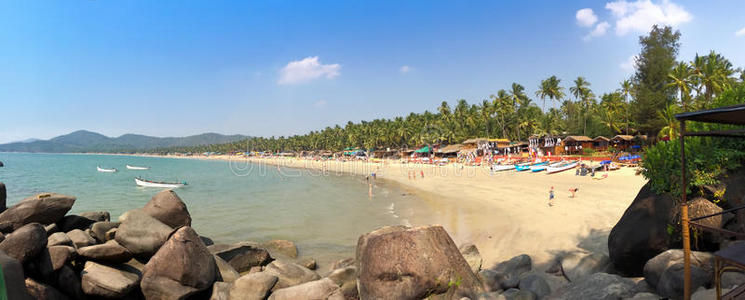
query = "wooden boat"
{"x": 538, "y": 168}
{"x": 497, "y": 168}
{"x": 137, "y": 168}
{"x": 98, "y": 168}
{"x": 147, "y": 183}
{"x": 525, "y": 167}
{"x": 562, "y": 167}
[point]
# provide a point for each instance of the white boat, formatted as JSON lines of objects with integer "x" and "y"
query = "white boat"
{"x": 497, "y": 168}
{"x": 538, "y": 168}
{"x": 563, "y": 167}
{"x": 98, "y": 168}
{"x": 160, "y": 184}
{"x": 137, "y": 168}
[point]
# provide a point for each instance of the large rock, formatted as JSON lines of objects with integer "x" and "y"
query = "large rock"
{"x": 54, "y": 258}
{"x": 225, "y": 270}
{"x": 252, "y": 286}
{"x": 319, "y": 289}
{"x": 220, "y": 291}
{"x": 281, "y": 248}
{"x": 141, "y": 234}
{"x": 109, "y": 282}
{"x": 242, "y": 256}
{"x": 59, "y": 239}
{"x": 671, "y": 281}
{"x": 182, "y": 267}
{"x": 576, "y": 265}
{"x": 699, "y": 207}
{"x": 346, "y": 278}
{"x": 109, "y": 252}
{"x": 25, "y": 243}
{"x": 508, "y": 272}
{"x": 517, "y": 294}
{"x": 472, "y": 256}
{"x": 403, "y": 262}
{"x": 535, "y": 284}
{"x": 99, "y": 229}
{"x": 97, "y": 216}
{"x": 40, "y": 291}
{"x": 599, "y": 286}
{"x": 168, "y": 208}
{"x": 69, "y": 283}
{"x": 641, "y": 233}
{"x": 42, "y": 208}
{"x": 80, "y": 238}
{"x": 289, "y": 273}
{"x": 655, "y": 267}
{"x": 71, "y": 222}
{"x": 13, "y": 277}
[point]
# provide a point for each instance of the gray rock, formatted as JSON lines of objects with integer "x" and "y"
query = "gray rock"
{"x": 13, "y": 277}
{"x": 59, "y": 239}
{"x": 319, "y": 289}
{"x": 655, "y": 267}
{"x": 600, "y": 286}
{"x": 343, "y": 263}
{"x": 508, "y": 272}
{"x": 109, "y": 252}
{"x": 704, "y": 294}
{"x": 516, "y": 294}
{"x": 42, "y": 208}
{"x": 25, "y": 243}
{"x": 109, "y": 282}
{"x": 308, "y": 262}
{"x": 168, "y": 208}
{"x": 99, "y": 229}
{"x": 220, "y": 291}
{"x": 252, "y": 286}
{"x": 732, "y": 278}
{"x": 54, "y": 258}
{"x": 225, "y": 270}
{"x": 490, "y": 296}
{"x": 289, "y": 273}
{"x": 141, "y": 234}
{"x": 97, "y": 216}
{"x": 182, "y": 267}
{"x": 346, "y": 278}
{"x": 40, "y": 291}
{"x": 242, "y": 256}
{"x": 490, "y": 280}
{"x": 535, "y": 284}
{"x": 80, "y": 239}
{"x": 427, "y": 262}
{"x": 576, "y": 265}
{"x": 68, "y": 282}
{"x": 671, "y": 281}
{"x": 281, "y": 248}
{"x": 472, "y": 256}
{"x": 644, "y": 296}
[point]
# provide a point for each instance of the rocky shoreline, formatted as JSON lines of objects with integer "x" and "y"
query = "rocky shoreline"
{"x": 153, "y": 253}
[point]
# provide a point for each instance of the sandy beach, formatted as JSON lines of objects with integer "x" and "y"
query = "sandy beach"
{"x": 504, "y": 214}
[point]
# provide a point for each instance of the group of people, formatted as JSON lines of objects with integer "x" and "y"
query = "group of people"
{"x": 551, "y": 195}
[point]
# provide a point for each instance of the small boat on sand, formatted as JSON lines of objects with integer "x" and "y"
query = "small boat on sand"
{"x": 147, "y": 183}
{"x": 543, "y": 167}
{"x": 497, "y": 168}
{"x": 137, "y": 168}
{"x": 112, "y": 170}
{"x": 527, "y": 166}
{"x": 563, "y": 167}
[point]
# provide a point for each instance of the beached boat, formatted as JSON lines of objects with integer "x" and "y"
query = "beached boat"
{"x": 144, "y": 182}
{"x": 497, "y": 168}
{"x": 137, "y": 168}
{"x": 525, "y": 167}
{"x": 563, "y": 167}
{"x": 538, "y": 168}
{"x": 98, "y": 168}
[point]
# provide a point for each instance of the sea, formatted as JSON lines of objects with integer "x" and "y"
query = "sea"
{"x": 324, "y": 214}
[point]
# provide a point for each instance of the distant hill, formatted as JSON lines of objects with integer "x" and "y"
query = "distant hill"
{"x": 86, "y": 141}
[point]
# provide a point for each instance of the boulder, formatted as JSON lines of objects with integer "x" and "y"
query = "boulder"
{"x": 516, "y": 294}
{"x": 59, "y": 239}
{"x": 99, "y": 229}
{"x": 182, "y": 267}
{"x": 698, "y": 207}
{"x": 42, "y": 208}
{"x": 281, "y": 248}
{"x": 252, "y": 286}
{"x": 600, "y": 286}
{"x": 404, "y": 262}
{"x": 226, "y": 272}
{"x": 220, "y": 291}
{"x": 109, "y": 252}
{"x": 104, "y": 281}
{"x": 655, "y": 267}
{"x": 644, "y": 296}
{"x": 346, "y": 278}
{"x": 13, "y": 277}
{"x": 68, "y": 283}
{"x": 289, "y": 273}
{"x": 343, "y": 263}
{"x": 309, "y": 263}
{"x": 40, "y": 291}
{"x": 704, "y": 294}
{"x": 97, "y": 216}
{"x": 141, "y": 234}
{"x": 671, "y": 281}
{"x": 732, "y": 278}
{"x": 489, "y": 280}
{"x": 576, "y": 265}
{"x": 319, "y": 289}
{"x": 111, "y": 234}
{"x": 630, "y": 248}
{"x": 25, "y": 243}
{"x": 490, "y": 296}
{"x": 508, "y": 272}
{"x": 71, "y": 222}
{"x": 535, "y": 284}
{"x": 3, "y": 195}
{"x": 168, "y": 208}
{"x": 80, "y": 239}
{"x": 472, "y": 256}
{"x": 242, "y": 256}
{"x": 54, "y": 258}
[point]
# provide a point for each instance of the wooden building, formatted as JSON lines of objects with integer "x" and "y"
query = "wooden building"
{"x": 575, "y": 144}
{"x": 600, "y": 143}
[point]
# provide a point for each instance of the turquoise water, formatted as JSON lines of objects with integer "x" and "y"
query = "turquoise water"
{"x": 324, "y": 215}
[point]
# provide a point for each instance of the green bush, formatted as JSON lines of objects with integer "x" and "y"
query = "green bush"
{"x": 588, "y": 151}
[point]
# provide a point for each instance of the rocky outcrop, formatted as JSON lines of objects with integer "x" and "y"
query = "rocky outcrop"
{"x": 472, "y": 256}
{"x": 103, "y": 281}
{"x": 401, "y": 262}
{"x": 42, "y": 208}
{"x": 629, "y": 248}
{"x": 314, "y": 290}
{"x": 182, "y": 266}
{"x": 168, "y": 208}
{"x": 109, "y": 252}
{"x": 242, "y": 256}
{"x": 664, "y": 272}
{"x": 252, "y": 286}
{"x": 141, "y": 234}
{"x": 507, "y": 274}
{"x": 535, "y": 284}
{"x": 289, "y": 273}
{"x": 576, "y": 265}
{"x": 25, "y": 243}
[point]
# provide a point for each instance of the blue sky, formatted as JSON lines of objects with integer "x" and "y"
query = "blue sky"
{"x": 174, "y": 68}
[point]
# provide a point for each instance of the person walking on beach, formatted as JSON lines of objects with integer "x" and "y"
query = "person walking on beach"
{"x": 573, "y": 190}
{"x": 551, "y": 197}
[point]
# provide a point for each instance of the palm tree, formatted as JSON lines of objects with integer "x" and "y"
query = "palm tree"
{"x": 581, "y": 91}
{"x": 681, "y": 79}
{"x": 672, "y": 126}
{"x": 550, "y": 88}
{"x": 518, "y": 97}
{"x": 626, "y": 89}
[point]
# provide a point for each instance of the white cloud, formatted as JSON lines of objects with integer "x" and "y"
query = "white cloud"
{"x": 305, "y": 70}
{"x": 586, "y": 17}
{"x": 640, "y": 15}
{"x": 599, "y": 30}
{"x": 740, "y": 32}
{"x": 629, "y": 64}
{"x": 404, "y": 69}
{"x": 319, "y": 103}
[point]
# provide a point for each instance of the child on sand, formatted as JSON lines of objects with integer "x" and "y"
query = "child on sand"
{"x": 573, "y": 190}
{"x": 551, "y": 197}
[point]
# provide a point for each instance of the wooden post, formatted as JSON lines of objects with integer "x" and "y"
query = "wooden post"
{"x": 684, "y": 218}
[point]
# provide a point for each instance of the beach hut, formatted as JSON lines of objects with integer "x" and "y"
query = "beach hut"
{"x": 575, "y": 144}
{"x": 545, "y": 144}
{"x": 481, "y": 145}
{"x": 600, "y": 143}
{"x": 449, "y": 151}
{"x": 622, "y": 142}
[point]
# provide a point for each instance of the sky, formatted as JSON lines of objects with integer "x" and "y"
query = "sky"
{"x": 263, "y": 68}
